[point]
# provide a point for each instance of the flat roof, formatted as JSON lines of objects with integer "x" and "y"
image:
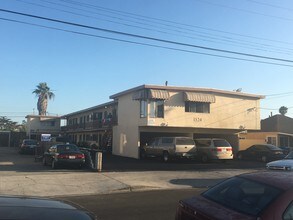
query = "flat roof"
{"x": 187, "y": 89}
{"x": 90, "y": 109}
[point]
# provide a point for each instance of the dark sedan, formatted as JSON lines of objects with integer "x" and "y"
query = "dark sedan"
{"x": 28, "y": 146}
{"x": 45, "y": 209}
{"x": 63, "y": 154}
{"x": 262, "y": 195}
{"x": 261, "y": 152}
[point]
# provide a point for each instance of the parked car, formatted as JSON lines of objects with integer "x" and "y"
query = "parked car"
{"x": 40, "y": 208}
{"x": 213, "y": 149}
{"x": 262, "y": 152}
{"x": 250, "y": 196}
{"x": 285, "y": 164}
{"x": 28, "y": 146}
{"x": 286, "y": 150}
{"x": 63, "y": 154}
{"x": 169, "y": 147}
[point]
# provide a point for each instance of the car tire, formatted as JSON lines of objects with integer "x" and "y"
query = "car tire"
{"x": 204, "y": 158}
{"x": 166, "y": 156}
{"x": 264, "y": 159}
{"x": 54, "y": 165}
{"x": 44, "y": 161}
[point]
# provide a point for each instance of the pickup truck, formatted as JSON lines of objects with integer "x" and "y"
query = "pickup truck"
{"x": 169, "y": 147}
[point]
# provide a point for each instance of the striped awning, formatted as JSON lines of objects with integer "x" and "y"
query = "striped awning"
{"x": 199, "y": 97}
{"x": 158, "y": 94}
{"x": 151, "y": 94}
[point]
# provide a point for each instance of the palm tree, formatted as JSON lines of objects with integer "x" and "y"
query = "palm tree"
{"x": 43, "y": 93}
{"x": 283, "y": 110}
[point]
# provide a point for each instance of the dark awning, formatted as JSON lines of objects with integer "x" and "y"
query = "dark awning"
{"x": 199, "y": 97}
{"x": 151, "y": 94}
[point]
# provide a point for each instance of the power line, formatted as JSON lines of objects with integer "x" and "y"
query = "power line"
{"x": 244, "y": 10}
{"x": 145, "y": 37}
{"x": 270, "y": 5}
{"x": 139, "y": 17}
{"x": 145, "y": 44}
{"x": 200, "y": 36}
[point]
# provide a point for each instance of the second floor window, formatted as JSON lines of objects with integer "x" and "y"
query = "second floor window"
{"x": 143, "y": 108}
{"x": 198, "y": 107}
{"x": 157, "y": 109}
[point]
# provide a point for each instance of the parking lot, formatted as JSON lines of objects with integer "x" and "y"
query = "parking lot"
{"x": 21, "y": 175}
{"x": 11, "y": 161}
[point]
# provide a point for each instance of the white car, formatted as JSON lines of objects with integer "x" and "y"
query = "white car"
{"x": 285, "y": 164}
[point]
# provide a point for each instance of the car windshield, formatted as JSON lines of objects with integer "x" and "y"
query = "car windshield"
{"x": 243, "y": 195}
{"x": 221, "y": 143}
{"x": 272, "y": 147}
{"x": 290, "y": 155}
{"x": 65, "y": 148}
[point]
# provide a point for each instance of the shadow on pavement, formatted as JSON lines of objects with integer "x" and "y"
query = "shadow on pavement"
{"x": 197, "y": 183}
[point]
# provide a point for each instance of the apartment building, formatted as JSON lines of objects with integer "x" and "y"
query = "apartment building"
{"x": 149, "y": 111}
{"x": 139, "y": 114}
{"x": 92, "y": 125}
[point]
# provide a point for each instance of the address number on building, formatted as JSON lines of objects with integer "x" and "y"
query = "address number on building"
{"x": 197, "y": 119}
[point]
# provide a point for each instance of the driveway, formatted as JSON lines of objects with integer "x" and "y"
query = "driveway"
{"x": 20, "y": 175}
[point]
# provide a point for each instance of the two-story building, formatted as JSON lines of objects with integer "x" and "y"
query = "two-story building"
{"x": 148, "y": 111}
{"x": 92, "y": 125}
{"x": 37, "y": 125}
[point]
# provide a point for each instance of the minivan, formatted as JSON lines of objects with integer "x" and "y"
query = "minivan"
{"x": 213, "y": 149}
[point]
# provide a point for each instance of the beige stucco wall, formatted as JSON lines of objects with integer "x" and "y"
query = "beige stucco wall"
{"x": 126, "y": 133}
{"x": 249, "y": 139}
{"x": 42, "y": 125}
{"x": 228, "y": 112}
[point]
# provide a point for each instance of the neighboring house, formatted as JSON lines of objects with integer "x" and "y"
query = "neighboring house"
{"x": 92, "y": 125}
{"x": 276, "y": 130}
{"x": 39, "y": 124}
{"x": 144, "y": 112}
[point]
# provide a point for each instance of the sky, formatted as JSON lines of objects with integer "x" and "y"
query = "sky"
{"x": 96, "y": 48}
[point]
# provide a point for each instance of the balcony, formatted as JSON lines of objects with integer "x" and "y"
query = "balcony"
{"x": 94, "y": 125}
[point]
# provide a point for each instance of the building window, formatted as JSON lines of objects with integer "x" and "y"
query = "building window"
{"x": 272, "y": 140}
{"x": 198, "y": 107}
{"x": 157, "y": 109}
{"x": 143, "y": 108}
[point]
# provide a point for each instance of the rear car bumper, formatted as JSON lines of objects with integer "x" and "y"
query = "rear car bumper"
{"x": 70, "y": 161}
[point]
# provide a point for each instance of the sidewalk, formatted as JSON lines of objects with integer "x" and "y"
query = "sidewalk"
{"x": 65, "y": 184}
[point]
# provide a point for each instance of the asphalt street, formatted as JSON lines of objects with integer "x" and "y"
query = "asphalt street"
{"x": 159, "y": 204}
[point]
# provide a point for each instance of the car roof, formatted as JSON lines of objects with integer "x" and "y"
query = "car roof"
{"x": 279, "y": 179}
{"x": 14, "y": 201}
{"x": 15, "y": 207}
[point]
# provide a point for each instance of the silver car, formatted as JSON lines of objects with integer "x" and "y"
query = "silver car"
{"x": 284, "y": 164}
{"x": 169, "y": 147}
{"x": 213, "y": 149}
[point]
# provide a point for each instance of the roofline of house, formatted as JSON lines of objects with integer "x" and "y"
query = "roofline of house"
{"x": 43, "y": 116}
{"x": 89, "y": 109}
{"x": 187, "y": 89}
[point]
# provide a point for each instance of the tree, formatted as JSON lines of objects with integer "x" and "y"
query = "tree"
{"x": 44, "y": 94}
{"x": 283, "y": 110}
{"x": 6, "y": 124}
